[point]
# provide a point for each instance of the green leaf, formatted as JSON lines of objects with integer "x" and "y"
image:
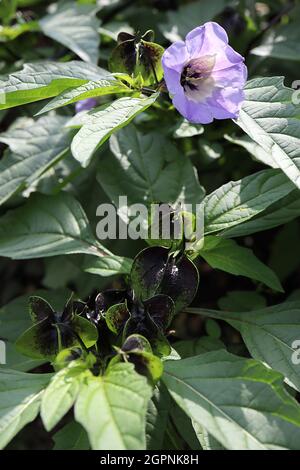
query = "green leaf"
{"x": 242, "y": 301}
{"x": 91, "y": 89}
{"x": 270, "y": 118}
{"x": 240, "y": 402}
{"x": 184, "y": 426}
{"x": 46, "y": 79}
{"x": 185, "y": 128}
{"x": 281, "y": 212}
{"x": 285, "y": 250}
{"x": 157, "y": 417}
{"x": 213, "y": 329}
{"x": 48, "y": 226}
{"x": 76, "y": 27}
{"x": 207, "y": 441}
{"x": 189, "y": 16}
{"x": 20, "y": 397}
{"x": 282, "y": 42}
{"x": 112, "y": 29}
{"x": 8, "y": 10}
{"x": 9, "y": 33}
{"x": 209, "y": 151}
{"x": 113, "y": 408}
{"x": 107, "y": 266}
{"x": 238, "y": 201}
{"x": 71, "y": 437}
{"x": 194, "y": 347}
{"x": 35, "y": 147}
{"x": 269, "y": 334}
{"x": 16, "y": 361}
{"x": 255, "y": 150}
{"x": 228, "y": 256}
{"x": 61, "y": 393}
{"x": 148, "y": 169}
{"x": 102, "y": 122}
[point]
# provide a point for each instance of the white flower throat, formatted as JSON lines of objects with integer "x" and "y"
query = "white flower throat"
{"x": 196, "y": 78}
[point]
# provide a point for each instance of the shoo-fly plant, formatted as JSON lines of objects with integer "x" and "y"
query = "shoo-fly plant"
{"x": 204, "y": 75}
{"x": 171, "y": 322}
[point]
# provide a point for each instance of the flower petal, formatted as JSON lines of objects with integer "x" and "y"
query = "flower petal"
{"x": 198, "y": 113}
{"x": 85, "y": 105}
{"x": 226, "y": 103}
{"x": 194, "y": 41}
{"x": 234, "y": 76}
{"x": 175, "y": 56}
{"x": 172, "y": 79}
{"x": 226, "y": 58}
{"x": 206, "y": 39}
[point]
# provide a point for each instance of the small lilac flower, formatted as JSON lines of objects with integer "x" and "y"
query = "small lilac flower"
{"x": 85, "y": 105}
{"x": 204, "y": 75}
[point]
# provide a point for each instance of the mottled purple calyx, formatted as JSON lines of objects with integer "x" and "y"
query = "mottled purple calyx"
{"x": 204, "y": 75}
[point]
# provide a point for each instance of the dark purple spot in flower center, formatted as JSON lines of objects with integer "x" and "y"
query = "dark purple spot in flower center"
{"x": 187, "y": 74}
{"x": 196, "y": 71}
